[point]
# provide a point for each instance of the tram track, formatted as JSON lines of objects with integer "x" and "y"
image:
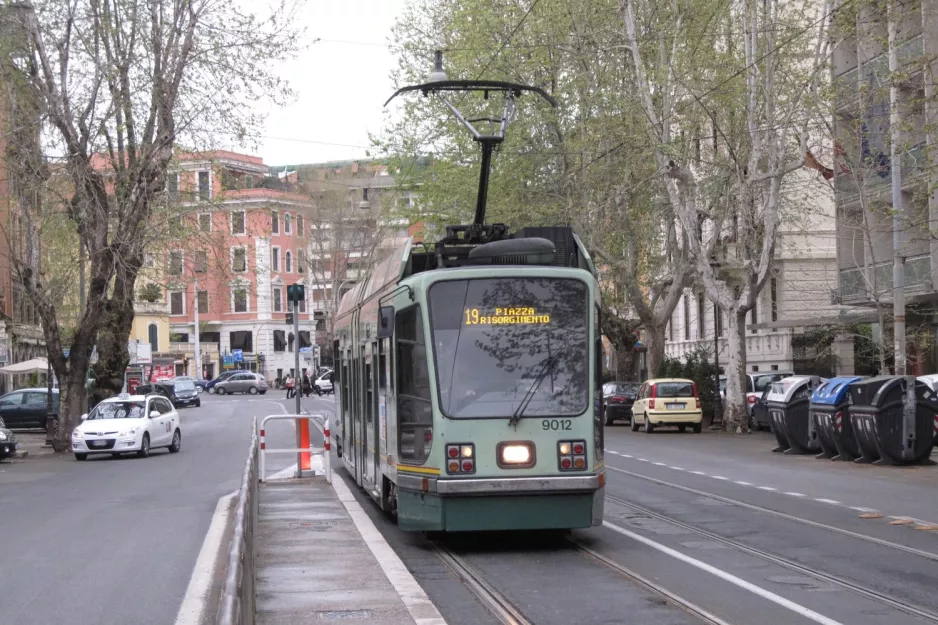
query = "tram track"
{"x": 494, "y": 601}
{"x": 781, "y": 515}
{"x": 893, "y": 602}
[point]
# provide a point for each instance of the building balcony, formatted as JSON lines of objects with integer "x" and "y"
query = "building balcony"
{"x": 151, "y": 308}
{"x": 181, "y": 347}
{"x": 862, "y": 285}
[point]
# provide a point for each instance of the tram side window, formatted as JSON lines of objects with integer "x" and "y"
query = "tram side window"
{"x": 414, "y": 412}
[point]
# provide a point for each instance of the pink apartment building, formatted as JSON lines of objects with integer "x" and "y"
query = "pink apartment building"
{"x": 245, "y": 241}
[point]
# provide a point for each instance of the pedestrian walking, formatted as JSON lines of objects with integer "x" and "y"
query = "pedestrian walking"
{"x": 307, "y": 383}
{"x": 290, "y": 384}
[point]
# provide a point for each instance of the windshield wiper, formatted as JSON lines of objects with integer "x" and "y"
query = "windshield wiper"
{"x": 546, "y": 370}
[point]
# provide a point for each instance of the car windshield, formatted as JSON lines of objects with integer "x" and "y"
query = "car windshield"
{"x": 184, "y": 385}
{"x": 674, "y": 389}
{"x": 118, "y": 410}
{"x": 623, "y": 389}
{"x": 493, "y": 338}
{"x": 763, "y": 381}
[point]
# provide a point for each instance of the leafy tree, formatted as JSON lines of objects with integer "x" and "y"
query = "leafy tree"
{"x": 115, "y": 83}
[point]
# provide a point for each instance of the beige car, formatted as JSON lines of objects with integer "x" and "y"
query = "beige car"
{"x": 667, "y": 401}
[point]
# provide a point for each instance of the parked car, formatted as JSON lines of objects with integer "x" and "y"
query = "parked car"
{"x": 242, "y": 382}
{"x": 199, "y": 384}
{"x": 179, "y": 393}
{"x": 667, "y": 401}
{"x": 618, "y": 398}
{"x": 7, "y": 441}
{"x": 756, "y": 383}
{"x": 210, "y": 386}
{"x": 27, "y": 407}
{"x": 759, "y": 412}
{"x": 128, "y": 423}
{"x": 323, "y": 384}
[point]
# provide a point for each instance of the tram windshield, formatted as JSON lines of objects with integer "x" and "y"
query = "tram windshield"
{"x": 492, "y": 337}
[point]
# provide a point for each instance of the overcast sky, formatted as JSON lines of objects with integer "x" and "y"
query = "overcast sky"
{"x": 340, "y": 86}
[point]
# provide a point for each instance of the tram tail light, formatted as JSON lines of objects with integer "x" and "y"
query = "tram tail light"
{"x": 572, "y": 455}
{"x": 460, "y": 458}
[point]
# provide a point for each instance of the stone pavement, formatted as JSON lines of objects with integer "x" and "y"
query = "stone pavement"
{"x": 320, "y": 559}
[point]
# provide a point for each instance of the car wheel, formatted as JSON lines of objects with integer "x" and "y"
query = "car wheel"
{"x": 682, "y": 428}
{"x": 177, "y": 442}
{"x": 198, "y": 403}
{"x": 211, "y": 391}
{"x": 220, "y": 391}
{"x": 253, "y": 390}
{"x": 698, "y": 427}
{"x": 81, "y": 456}
{"x": 634, "y": 424}
{"x": 649, "y": 428}
{"x": 144, "y": 446}
{"x": 199, "y": 390}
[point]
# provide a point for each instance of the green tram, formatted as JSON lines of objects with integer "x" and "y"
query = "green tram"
{"x": 466, "y": 379}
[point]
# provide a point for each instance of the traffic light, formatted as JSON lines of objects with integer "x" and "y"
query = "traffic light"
{"x": 296, "y": 292}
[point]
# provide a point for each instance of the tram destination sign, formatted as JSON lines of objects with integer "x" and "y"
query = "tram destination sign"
{"x": 520, "y": 315}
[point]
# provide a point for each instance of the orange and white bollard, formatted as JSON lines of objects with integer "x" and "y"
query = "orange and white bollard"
{"x": 327, "y": 445}
{"x": 302, "y": 427}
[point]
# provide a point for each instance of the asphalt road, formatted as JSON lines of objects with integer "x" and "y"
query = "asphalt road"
{"x": 115, "y": 540}
{"x": 718, "y": 524}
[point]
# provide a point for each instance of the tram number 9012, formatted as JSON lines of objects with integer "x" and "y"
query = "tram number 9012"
{"x": 556, "y": 424}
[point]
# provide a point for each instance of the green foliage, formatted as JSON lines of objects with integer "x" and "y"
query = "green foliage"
{"x": 151, "y": 293}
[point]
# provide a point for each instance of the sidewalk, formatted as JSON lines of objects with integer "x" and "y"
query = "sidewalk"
{"x": 320, "y": 559}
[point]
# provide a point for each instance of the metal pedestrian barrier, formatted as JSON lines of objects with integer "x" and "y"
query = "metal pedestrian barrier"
{"x": 304, "y": 447}
{"x": 237, "y": 600}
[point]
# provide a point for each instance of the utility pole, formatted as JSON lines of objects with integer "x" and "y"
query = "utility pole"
{"x": 198, "y": 345}
{"x": 909, "y": 408}
{"x": 718, "y": 406}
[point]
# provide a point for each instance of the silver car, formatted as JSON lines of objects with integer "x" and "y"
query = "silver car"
{"x": 245, "y": 382}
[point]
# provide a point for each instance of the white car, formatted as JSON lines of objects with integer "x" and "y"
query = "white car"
{"x": 323, "y": 383}
{"x": 128, "y": 423}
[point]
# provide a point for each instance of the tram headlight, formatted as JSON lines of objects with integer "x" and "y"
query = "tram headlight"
{"x": 516, "y": 455}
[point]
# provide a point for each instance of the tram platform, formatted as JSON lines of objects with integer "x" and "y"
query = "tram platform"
{"x": 320, "y": 559}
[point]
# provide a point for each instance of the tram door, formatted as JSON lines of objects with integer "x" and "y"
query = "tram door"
{"x": 368, "y": 396}
{"x": 348, "y": 411}
{"x": 360, "y": 443}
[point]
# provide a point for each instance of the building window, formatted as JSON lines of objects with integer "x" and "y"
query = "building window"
{"x": 149, "y": 260}
{"x": 671, "y": 328}
{"x": 277, "y": 297}
{"x": 718, "y": 322}
{"x": 239, "y": 299}
{"x": 172, "y": 187}
{"x": 291, "y": 340}
{"x": 686, "y": 317}
{"x": 179, "y": 337}
{"x": 304, "y": 339}
{"x": 175, "y": 263}
{"x": 287, "y": 223}
{"x": 205, "y": 187}
{"x": 274, "y": 222}
{"x": 153, "y": 333}
{"x": 243, "y": 340}
{"x": 177, "y": 303}
{"x": 300, "y": 261}
{"x": 302, "y": 305}
{"x": 754, "y": 319}
{"x": 299, "y": 226}
{"x": 201, "y": 262}
{"x": 700, "y": 316}
{"x": 239, "y": 260}
{"x": 280, "y": 341}
{"x": 288, "y": 262}
{"x": 202, "y": 298}
{"x": 275, "y": 259}
{"x": 205, "y": 222}
{"x": 237, "y": 222}
{"x": 773, "y": 287}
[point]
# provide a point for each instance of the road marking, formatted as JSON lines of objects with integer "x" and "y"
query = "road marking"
{"x": 794, "y": 494}
{"x": 832, "y": 502}
{"x": 642, "y": 460}
{"x": 862, "y": 509}
{"x": 659, "y": 464}
{"x": 677, "y": 468}
{"x": 193, "y": 602}
{"x": 697, "y": 472}
{"x": 613, "y": 452}
{"x": 742, "y": 483}
{"x": 768, "y": 488}
{"x": 412, "y": 595}
{"x": 719, "y": 477}
{"x": 625, "y": 455}
{"x": 736, "y": 581}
